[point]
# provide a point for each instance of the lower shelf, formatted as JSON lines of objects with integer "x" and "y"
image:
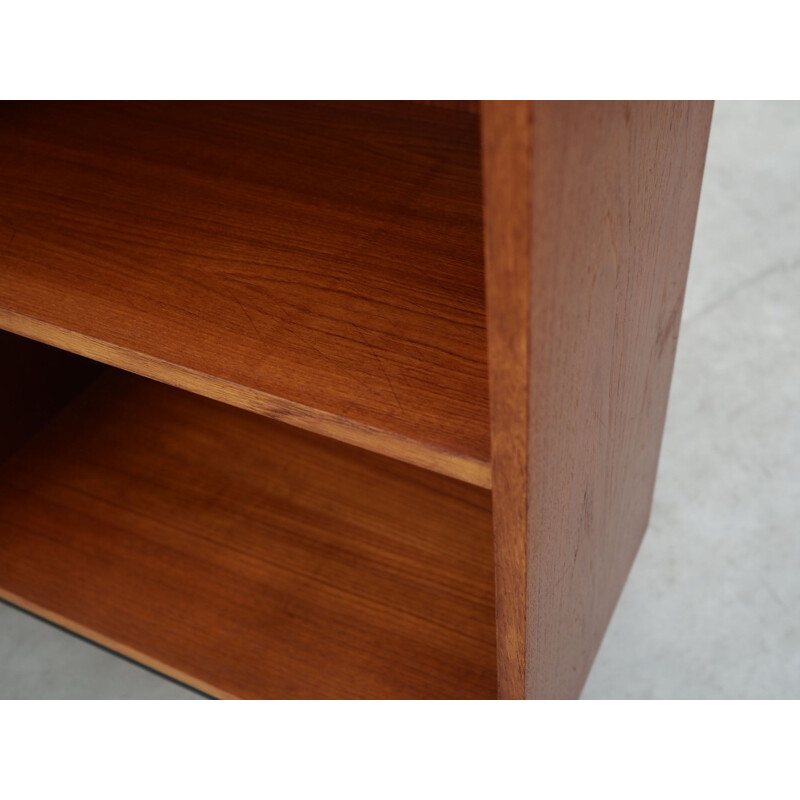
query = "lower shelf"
{"x": 247, "y": 558}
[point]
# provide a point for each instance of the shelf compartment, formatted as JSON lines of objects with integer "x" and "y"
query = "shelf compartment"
{"x": 320, "y": 263}
{"x": 245, "y": 557}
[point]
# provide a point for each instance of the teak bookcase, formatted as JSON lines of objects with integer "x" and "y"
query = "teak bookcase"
{"x": 338, "y": 399}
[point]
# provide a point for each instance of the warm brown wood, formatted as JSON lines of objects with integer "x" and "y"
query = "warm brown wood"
{"x": 590, "y": 212}
{"x": 245, "y": 557}
{"x": 507, "y": 154}
{"x": 315, "y": 262}
{"x": 470, "y": 106}
{"x": 321, "y": 263}
{"x": 35, "y": 382}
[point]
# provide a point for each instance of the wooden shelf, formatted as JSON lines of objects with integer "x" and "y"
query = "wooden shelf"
{"x": 323, "y": 264}
{"x": 317, "y": 263}
{"x": 245, "y": 557}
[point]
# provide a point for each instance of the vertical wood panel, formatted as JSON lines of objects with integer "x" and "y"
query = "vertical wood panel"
{"x": 507, "y": 148}
{"x": 595, "y": 275}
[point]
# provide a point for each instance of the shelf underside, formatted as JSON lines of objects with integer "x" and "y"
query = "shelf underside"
{"x": 318, "y": 263}
{"x": 245, "y": 557}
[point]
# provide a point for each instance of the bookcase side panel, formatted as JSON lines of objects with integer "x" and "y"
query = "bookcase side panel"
{"x": 589, "y": 219}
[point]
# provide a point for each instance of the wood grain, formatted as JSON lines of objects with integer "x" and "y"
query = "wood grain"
{"x": 245, "y": 557}
{"x": 36, "y": 381}
{"x": 317, "y": 263}
{"x": 590, "y": 213}
{"x": 470, "y": 106}
{"x": 506, "y": 156}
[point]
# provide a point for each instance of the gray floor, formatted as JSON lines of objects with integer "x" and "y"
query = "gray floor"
{"x": 712, "y": 607}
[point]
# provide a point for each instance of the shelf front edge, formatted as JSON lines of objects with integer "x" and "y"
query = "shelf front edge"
{"x": 454, "y": 465}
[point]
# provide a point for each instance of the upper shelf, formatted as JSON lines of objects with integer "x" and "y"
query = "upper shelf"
{"x": 320, "y": 263}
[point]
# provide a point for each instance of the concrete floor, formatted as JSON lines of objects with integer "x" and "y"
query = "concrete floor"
{"x": 712, "y": 607}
